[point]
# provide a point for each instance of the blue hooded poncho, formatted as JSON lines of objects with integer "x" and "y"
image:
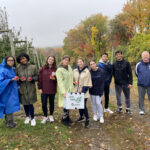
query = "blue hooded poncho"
{"x": 9, "y": 98}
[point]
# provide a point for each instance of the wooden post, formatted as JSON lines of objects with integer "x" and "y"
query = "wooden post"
{"x": 112, "y": 53}
{"x": 11, "y": 43}
{"x": 27, "y": 47}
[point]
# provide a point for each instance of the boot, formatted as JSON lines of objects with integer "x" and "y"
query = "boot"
{"x": 9, "y": 121}
{"x": 65, "y": 122}
{"x": 69, "y": 120}
{"x": 86, "y": 123}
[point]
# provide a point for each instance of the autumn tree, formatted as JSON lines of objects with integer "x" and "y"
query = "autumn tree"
{"x": 137, "y": 13}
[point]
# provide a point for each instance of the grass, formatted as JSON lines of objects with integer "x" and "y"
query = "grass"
{"x": 119, "y": 132}
{"x": 47, "y": 136}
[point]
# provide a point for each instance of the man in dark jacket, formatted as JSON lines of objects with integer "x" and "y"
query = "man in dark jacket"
{"x": 142, "y": 71}
{"x": 107, "y": 67}
{"x": 123, "y": 81}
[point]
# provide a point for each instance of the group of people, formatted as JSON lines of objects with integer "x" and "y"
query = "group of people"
{"x": 18, "y": 86}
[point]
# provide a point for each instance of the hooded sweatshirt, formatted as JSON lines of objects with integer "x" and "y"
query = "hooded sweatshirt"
{"x": 9, "y": 98}
{"x": 107, "y": 67}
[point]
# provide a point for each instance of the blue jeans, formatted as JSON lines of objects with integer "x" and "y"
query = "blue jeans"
{"x": 29, "y": 110}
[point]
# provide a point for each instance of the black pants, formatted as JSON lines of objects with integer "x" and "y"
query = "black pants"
{"x": 44, "y": 98}
{"x": 106, "y": 94}
{"x": 84, "y": 111}
{"x": 29, "y": 110}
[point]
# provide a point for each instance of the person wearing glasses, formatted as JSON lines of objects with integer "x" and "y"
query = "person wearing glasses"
{"x": 9, "y": 98}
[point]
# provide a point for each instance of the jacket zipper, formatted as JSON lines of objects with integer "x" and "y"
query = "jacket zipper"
{"x": 78, "y": 82}
{"x": 26, "y": 73}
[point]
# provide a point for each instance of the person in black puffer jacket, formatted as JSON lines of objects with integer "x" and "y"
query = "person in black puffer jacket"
{"x": 122, "y": 73}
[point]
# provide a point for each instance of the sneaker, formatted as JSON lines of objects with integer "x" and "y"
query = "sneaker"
{"x": 27, "y": 120}
{"x": 119, "y": 110}
{"x": 86, "y": 124}
{"x": 101, "y": 120}
{"x": 128, "y": 111}
{"x": 80, "y": 119}
{"x": 33, "y": 122}
{"x": 108, "y": 110}
{"x": 44, "y": 120}
{"x": 95, "y": 117}
{"x": 141, "y": 112}
{"x": 51, "y": 118}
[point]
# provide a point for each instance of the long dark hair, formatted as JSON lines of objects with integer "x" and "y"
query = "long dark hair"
{"x": 53, "y": 65}
{"x": 6, "y": 58}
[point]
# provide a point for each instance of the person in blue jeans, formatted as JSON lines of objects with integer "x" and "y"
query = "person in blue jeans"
{"x": 142, "y": 71}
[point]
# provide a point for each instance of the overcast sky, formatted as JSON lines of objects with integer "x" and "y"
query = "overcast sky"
{"x": 46, "y": 21}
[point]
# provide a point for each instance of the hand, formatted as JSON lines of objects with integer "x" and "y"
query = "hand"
{"x": 29, "y": 79}
{"x": 23, "y": 79}
{"x": 16, "y": 78}
{"x": 40, "y": 91}
{"x": 64, "y": 95}
{"x": 130, "y": 86}
{"x": 75, "y": 82}
{"x": 52, "y": 77}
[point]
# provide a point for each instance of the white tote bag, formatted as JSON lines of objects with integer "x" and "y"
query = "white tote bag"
{"x": 74, "y": 101}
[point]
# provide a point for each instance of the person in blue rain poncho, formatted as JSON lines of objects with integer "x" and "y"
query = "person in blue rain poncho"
{"x": 9, "y": 98}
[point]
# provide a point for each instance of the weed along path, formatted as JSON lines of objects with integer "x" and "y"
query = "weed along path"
{"x": 119, "y": 132}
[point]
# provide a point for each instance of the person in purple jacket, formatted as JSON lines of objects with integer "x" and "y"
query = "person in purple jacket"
{"x": 142, "y": 71}
{"x": 47, "y": 86}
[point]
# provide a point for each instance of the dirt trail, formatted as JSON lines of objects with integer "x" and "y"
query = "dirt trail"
{"x": 119, "y": 132}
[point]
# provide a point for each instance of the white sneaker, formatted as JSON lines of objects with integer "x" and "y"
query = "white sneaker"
{"x": 44, "y": 120}
{"x": 27, "y": 120}
{"x": 33, "y": 122}
{"x": 95, "y": 117}
{"x": 51, "y": 118}
{"x": 101, "y": 119}
{"x": 141, "y": 112}
{"x": 108, "y": 110}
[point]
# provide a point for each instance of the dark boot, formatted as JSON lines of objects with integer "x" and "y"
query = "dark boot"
{"x": 69, "y": 120}
{"x": 86, "y": 123}
{"x": 9, "y": 121}
{"x": 65, "y": 122}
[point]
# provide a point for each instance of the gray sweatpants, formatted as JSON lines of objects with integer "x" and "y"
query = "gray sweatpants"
{"x": 97, "y": 105}
{"x": 141, "y": 93}
{"x": 126, "y": 91}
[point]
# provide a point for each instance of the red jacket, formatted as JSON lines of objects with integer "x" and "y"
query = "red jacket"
{"x": 47, "y": 85}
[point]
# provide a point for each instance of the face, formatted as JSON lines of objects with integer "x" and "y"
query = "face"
{"x": 50, "y": 60}
{"x": 65, "y": 62}
{"x": 23, "y": 60}
{"x": 10, "y": 61}
{"x": 119, "y": 56}
{"x": 145, "y": 56}
{"x": 93, "y": 65}
{"x": 80, "y": 63}
{"x": 104, "y": 58}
